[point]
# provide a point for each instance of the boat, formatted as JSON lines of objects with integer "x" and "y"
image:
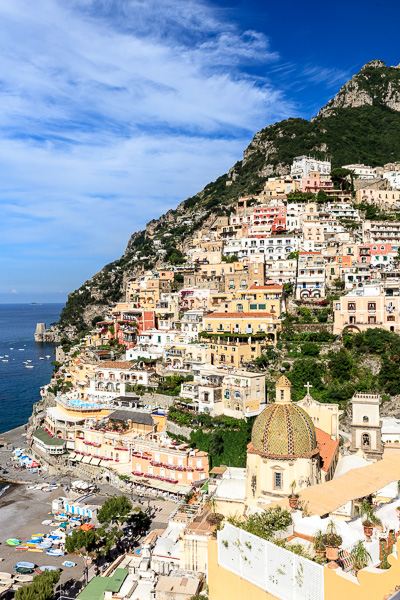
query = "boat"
{"x": 68, "y": 563}
{"x": 41, "y": 357}
{"x": 23, "y": 570}
{"x": 29, "y": 367}
{"x": 13, "y": 542}
{"x": 4, "y": 360}
{"x": 11, "y": 348}
{"x": 25, "y": 362}
{"x": 55, "y": 552}
{"x": 26, "y": 565}
{"x": 34, "y": 550}
{"x": 28, "y": 360}
{"x": 49, "y": 568}
{"x": 48, "y": 356}
{"x": 22, "y": 547}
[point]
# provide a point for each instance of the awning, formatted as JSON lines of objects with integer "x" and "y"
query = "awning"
{"x": 164, "y": 486}
{"x": 95, "y": 461}
{"x": 72, "y": 456}
{"x": 78, "y": 457}
{"x": 104, "y": 463}
{"x": 86, "y": 459}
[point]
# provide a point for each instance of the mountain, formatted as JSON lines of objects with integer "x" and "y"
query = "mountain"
{"x": 360, "y": 124}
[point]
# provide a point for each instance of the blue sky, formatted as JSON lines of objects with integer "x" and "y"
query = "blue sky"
{"x": 114, "y": 111}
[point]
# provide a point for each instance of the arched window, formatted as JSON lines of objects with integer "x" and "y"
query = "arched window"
{"x": 365, "y": 419}
{"x": 366, "y": 440}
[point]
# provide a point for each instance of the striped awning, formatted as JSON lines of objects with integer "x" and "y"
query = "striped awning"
{"x": 95, "y": 461}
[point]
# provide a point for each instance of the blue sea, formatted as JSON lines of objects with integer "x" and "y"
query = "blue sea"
{"x": 19, "y": 386}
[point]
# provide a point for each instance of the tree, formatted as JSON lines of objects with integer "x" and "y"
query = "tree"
{"x": 341, "y": 176}
{"x": 41, "y": 588}
{"x": 81, "y": 541}
{"x": 340, "y": 364}
{"x": 114, "y": 509}
{"x": 310, "y": 349}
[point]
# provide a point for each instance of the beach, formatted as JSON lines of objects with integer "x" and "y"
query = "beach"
{"x": 21, "y": 514}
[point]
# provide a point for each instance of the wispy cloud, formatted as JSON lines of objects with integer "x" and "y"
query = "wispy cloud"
{"x": 329, "y": 76}
{"x": 112, "y": 111}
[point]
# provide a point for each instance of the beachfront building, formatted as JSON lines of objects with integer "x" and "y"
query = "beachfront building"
{"x": 160, "y": 458}
{"x": 112, "y": 377}
{"x": 48, "y": 444}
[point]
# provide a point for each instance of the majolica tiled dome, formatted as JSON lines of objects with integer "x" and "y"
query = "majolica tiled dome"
{"x": 284, "y": 430}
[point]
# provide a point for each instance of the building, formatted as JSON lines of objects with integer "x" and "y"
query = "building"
{"x": 315, "y": 182}
{"x": 162, "y": 459}
{"x": 244, "y": 323}
{"x": 371, "y": 304}
{"x": 362, "y": 171}
{"x": 283, "y": 449}
{"x": 366, "y": 425}
{"x": 311, "y": 275}
{"x": 303, "y": 165}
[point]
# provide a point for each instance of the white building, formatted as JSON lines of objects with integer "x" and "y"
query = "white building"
{"x": 362, "y": 171}
{"x": 281, "y": 271}
{"x": 302, "y": 165}
{"x": 394, "y": 179}
{"x": 311, "y": 276}
{"x": 274, "y": 248}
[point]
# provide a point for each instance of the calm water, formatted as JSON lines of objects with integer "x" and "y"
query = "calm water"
{"x": 19, "y": 386}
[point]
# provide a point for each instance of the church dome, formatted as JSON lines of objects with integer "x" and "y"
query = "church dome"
{"x": 284, "y": 430}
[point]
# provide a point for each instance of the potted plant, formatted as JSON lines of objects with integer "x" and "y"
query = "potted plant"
{"x": 331, "y": 541}
{"x": 360, "y": 556}
{"x": 319, "y": 546}
{"x": 369, "y": 519}
{"x": 293, "y": 498}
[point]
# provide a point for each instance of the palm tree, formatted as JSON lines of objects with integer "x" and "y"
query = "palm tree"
{"x": 360, "y": 556}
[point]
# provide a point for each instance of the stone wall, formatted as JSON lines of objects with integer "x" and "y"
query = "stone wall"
{"x": 178, "y": 429}
{"x": 161, "y": 399}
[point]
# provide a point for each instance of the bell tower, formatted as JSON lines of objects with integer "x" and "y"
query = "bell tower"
{"x": 366, "y": 425}
{"x": 283, "y": 394}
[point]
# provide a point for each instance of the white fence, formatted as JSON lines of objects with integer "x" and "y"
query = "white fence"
{"x": 271, "y": 568}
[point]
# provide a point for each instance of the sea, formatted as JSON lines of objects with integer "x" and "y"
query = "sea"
{"x": 20, "y": 386}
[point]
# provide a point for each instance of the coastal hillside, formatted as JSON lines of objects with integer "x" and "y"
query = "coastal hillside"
{"x": 360, "y": 124}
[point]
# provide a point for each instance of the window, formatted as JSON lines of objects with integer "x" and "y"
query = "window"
{"x": 278, "y": 481}
{"x": 365, "y": 419}
{"x": 391, "y": 318}
{"x": 282, "y": 394}
{"x": 366, "y": 440}
{"x": 351, "y": 306}
{"x": 371, "y": 305}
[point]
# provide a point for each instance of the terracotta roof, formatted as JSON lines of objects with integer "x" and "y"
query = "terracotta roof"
{"x": 238, "y": 315}
{"x": 114, "y": 364}
{"x": 309, "y": 253}
{"x": 322, "y": 499}
{"x": 327, "y": 448}
{"x": 218, "y": 470}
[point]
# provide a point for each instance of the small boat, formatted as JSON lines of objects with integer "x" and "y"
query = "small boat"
{"x": 34, "y": 550}
{"x": 6, "y": 355}
{"x": 29, "y": 367}
{"x": 48, "y": 356}
{"x": 11, "y": 348}
{"x": 26, "y": 565}
{"x": 21, "y": 349}
{"x": 24, "y": 570}
{"x": 22, "y": 547}
{"x": 4, "y": 360}
{"x": 55, "y": 552}
{"x": 13, "y": 542}
{"x": 28, "y": 360}
{"x": 25, "y": 362}
{"x": 68, "y": 563}
{"x": 41, "y": 357}
{"x": 48, "y": 568}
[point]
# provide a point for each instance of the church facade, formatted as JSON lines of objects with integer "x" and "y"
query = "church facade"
{"x": 286, "y": 448}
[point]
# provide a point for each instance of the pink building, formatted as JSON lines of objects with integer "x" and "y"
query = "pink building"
{"x": 274, "y": 216}
{"x": 378, "y": 254}
{"x": 315, "y": 182}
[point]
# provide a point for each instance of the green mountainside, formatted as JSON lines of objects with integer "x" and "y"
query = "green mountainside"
{"x": 360, "y": 124}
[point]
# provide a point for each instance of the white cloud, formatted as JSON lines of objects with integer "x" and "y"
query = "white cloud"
{"x": 14, "y": 291}
{"x": 113, "y": 111}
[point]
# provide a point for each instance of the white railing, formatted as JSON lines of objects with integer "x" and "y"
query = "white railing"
{"x": 271, "y": 568}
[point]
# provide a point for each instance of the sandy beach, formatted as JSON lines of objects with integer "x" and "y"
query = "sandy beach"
{"x": 21, "y": 514}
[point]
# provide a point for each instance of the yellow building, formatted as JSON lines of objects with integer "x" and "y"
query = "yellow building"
{"x": 244, "y": 323}
{"x": 233, "y": 352}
